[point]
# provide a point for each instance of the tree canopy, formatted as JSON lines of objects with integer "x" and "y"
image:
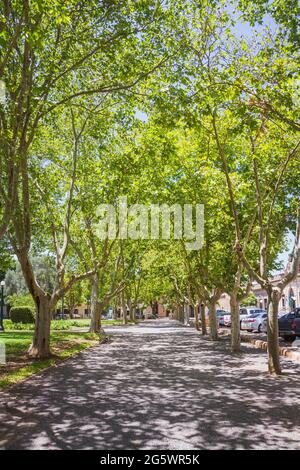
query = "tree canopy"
{"x": 176, "y": 103}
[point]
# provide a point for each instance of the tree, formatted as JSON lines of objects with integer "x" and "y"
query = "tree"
{"x": 271, "y": 203}
{"x": 252, "y": 112}
{"x": 58, "y": 231}
{"x": 6, "y": 259}
{"x": 114, "y": 60}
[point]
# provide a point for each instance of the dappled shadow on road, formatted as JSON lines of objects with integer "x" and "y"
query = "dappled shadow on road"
{"x": 156, "y": 391}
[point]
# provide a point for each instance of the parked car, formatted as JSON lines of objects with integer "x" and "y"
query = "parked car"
{"x": 280, "y": 314}
{"x": 245, "y": 312}
{"x": 220, "y": 316}
{"x": 253, "y": 322}
{"x": 75, "y": 316}
{"x": 288, "y": 325}
{"x": 60, "y": 316}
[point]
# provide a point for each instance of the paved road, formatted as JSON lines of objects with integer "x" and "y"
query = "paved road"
{"x": 157, "y": 386}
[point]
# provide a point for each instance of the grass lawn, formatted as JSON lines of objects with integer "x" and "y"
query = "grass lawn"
{"x": 63, "y": 344}
{"x": 60, "y": 324}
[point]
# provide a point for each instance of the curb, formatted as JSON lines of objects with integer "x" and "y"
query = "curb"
{"x": 285, "y": 352}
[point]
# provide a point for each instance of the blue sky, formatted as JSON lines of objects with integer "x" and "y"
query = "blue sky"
{"x": 244, "y": 29}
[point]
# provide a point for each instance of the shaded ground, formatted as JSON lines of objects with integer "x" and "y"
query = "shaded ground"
{"x": 157, "y": 386}
{"x": 18, "y": 365}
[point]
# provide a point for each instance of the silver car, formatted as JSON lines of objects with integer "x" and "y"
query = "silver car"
{"x": 254, "y": 322}
{"x": 245, "y": 312}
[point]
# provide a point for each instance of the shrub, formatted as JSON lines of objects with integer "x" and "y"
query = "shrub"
{"x": 22, "y": 315}
{"x": 10, "y": 326}
{"x": 60, "y": 325}
{"x": 19, "y": 300}
{"x": 249, "y": 301}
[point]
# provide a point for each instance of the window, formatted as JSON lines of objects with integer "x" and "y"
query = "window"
{"x": 290, "y": 316}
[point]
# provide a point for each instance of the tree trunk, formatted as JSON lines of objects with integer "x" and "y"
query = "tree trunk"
{"x": 235, "y": 322}
{"x": 196, "y": 316}
{"x": 115, "y": 312}
{"x": 131, "y": 310}
{"x": 181, "y": 313}
{"x": 95, "y": 325}
{"x": 186, "y": 311}
{"x": 213, "y": 325}
{"x": 135, "y": 311}
{"x": 40, "y": 347}
{"x": 273, "y": 342}
{"x": 124, "y": 309}
{"x": 203, "y": 320}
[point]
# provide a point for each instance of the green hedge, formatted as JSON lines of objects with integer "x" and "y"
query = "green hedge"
{"x": 22, "y": 315}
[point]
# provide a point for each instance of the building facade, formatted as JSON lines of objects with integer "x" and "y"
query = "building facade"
{"x": 289, "y": 300}
{"x": 290, "y": 297}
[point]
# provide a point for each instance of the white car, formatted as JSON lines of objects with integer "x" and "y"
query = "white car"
{"x": 254, "y": 322}
{"x": 245, "y": 312}
{"x": 227, "y": 320}
{"x": 220, "y": 316}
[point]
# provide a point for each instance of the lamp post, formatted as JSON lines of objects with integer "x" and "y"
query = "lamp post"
{"x": 2, "y": 305}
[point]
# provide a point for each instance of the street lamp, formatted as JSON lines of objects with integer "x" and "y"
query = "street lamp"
{"x": 2, "y": 283}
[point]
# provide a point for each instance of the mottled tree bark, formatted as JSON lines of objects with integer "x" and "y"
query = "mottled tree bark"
{"x": 273, "y": 342}
{"x": 203, "y": 320}
{"x": 186, "y": 312}
{"x": 131, "y": 310}
{"x": 213, "y": 324}
{"x": 196, "y": 316}
{"x": 181, "y": 313}
{"x": 40, "y": 347}
{"x": 123, "y": 308}
{"x": 235, "y": 322}
{"x": 95, "y": 325}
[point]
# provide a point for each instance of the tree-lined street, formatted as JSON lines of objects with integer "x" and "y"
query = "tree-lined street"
{"x": 149, "y": 170}
{"x": 155, "y": 387}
